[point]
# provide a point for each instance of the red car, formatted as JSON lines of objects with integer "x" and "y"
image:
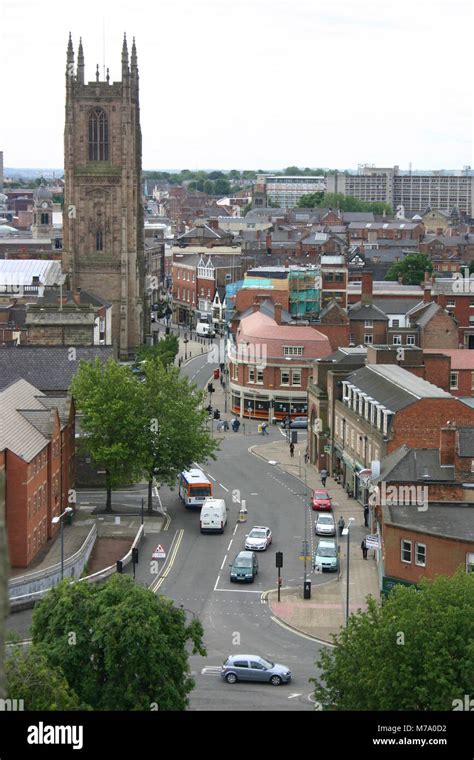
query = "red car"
{"x": 321, "y": 500}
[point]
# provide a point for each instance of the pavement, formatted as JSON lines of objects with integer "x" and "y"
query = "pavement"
{"x": 324, "y": 613}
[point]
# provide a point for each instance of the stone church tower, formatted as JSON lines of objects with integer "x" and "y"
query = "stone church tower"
{"x": 103, "y": 213}
{"x": 42, "y": 226}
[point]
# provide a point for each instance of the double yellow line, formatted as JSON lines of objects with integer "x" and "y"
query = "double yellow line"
{"x": 178, "y": 537}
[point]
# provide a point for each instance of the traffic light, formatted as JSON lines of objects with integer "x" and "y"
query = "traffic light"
{"x": 209, "y": 409}
{"x": 119, "y": 566}
{"x": 135, "y": 555}
{"x": 210, "y": 388}
{"x": 217, "y": 414}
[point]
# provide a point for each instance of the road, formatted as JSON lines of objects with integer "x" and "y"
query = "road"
{"x": 195, "y": 573}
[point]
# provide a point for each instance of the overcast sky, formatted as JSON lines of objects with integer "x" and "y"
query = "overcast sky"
{"x": 259, "y": 84}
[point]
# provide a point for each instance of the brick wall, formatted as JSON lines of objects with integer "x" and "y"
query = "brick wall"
{"x": 418, "y": 425}
{"x": 440, "y": 332}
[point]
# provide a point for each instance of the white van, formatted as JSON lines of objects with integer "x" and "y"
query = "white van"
{"x": 205, "y": 330}
{"x": 213, "y": 516}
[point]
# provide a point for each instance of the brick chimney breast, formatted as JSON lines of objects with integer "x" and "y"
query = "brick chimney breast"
{"x": 278, "y": 313}
{"x": 447, "y": 445}
{"x": 367, "y": 286}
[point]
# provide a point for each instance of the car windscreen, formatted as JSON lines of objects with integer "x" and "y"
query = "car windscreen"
{"x": 257, "y": 534}
{"x": 242, "y": 562}
{"x": 320, "y": 495}
{"x": 267, "y": 663}
{"x": 326, "y": 520}
{"x": 326, "y": 551}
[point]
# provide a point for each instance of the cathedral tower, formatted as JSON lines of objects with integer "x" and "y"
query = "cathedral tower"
{"x": 103, "y": 214}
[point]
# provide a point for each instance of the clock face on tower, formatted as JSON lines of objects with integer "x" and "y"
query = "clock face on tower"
{"x": 44, "y": 204}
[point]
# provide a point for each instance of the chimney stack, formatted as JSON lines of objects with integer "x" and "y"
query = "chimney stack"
{"x": 447, "y": 445}
{"x": 256, "y": 306}
{"x": 366, "y": 292}
{"x": 278, "y": 313}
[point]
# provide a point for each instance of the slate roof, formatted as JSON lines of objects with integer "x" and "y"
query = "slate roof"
{"x": 86, "y": 298}
{"x": 360, "y": 311}
{"x": 347, "y": 355}
{"x": 409, "y": 465}
{"x": 267, "y": 307}
{"x": 395, "y": 305}
{"x": 427, "y": 315}
{"x": 48, "y": 368}
{"x": 451, "y": 287}
{"x": 454, "y": 520}
{"x": 18, "y": 433}
{"x": 393, "y": 386}
{"x": 357, "y": 216}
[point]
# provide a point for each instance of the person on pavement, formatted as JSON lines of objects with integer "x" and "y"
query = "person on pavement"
{"x": 341, "y": 525}
{"x": 264, "y": 428}
{"x": 363, "y": 546}
{"x": 292, "y": 450}
{"x": 366, "y": 515}
{"x": 324, "y": 474}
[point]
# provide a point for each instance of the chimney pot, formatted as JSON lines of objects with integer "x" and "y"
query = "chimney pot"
{"x": 278, "y": 313}
{"x": 447, "y": 445}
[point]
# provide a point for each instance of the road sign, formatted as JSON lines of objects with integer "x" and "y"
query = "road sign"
{"x": 372, "y": 542}
{"x": 159, "y": 553}
{"x": 327, "y": 449}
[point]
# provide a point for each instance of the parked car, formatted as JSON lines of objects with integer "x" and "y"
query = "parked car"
{"x": 325, "y": 525}
{"x": 326, "y": 556}
{"x": 244, "y": 567}
{"x": 251, "y": 667}
{"x": 321, "y": 500}
{"x": 297, "y": 423}
{"x": 258, "y": 539}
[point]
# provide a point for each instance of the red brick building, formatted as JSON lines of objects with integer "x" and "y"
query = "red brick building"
{"x": 37, "y": 443}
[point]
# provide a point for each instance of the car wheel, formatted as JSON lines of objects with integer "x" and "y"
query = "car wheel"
{"x": 231, "y": 678}
{"x": 275, "y": 680}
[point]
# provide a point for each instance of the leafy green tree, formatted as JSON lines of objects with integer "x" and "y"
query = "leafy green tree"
{"x": 216, "y": 175}
{"x": 249, "y": 174}
{"x": 174, "y": 432}
{"x": 222, "y": 187}
{"x": 247, "y": 208}
{"x": 107, "y": 397}
{"x": 131, "y": 646}
{"x": 310, "y": 200}
{"x": 412, "y": 269}
{"x": 165, "y": 351}
{"x": 234, "y": 174}
{"x": 4, "y": 572}
{"x": 209, "y": 187}
{"x": 414, "y": 652}
{"x": 41, "y": 686}
{"x": 292, "y": 171}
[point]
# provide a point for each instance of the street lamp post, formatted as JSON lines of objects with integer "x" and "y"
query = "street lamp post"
{"x": 185, "y": 341}
{"x": 347, "y": 531}
{"x": 55, "y": 521}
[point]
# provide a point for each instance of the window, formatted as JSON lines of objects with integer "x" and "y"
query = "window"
{"x": 352, "y": 438}
{"x": 420, "y": 554}
{"x": 34, "y": 503}
{"x": 99, "y": 240}
{"x": 410, "y": 340}
{"x": 260, "y": 376}
{"x": 235, "y": 372}
{"x": 472, "y": 380}
{"x": 328, "y": 277}
{"x": 397, "y": 340}
{"x": 405, "y": 550}
{"x": 351, "y": 338}
{"x": 471, "y": 303}
{"x": 339, "y": 277}
{"x": 368, "y": 323}
{"x": 451, "y": 302}
{"x": 178, "y": 274}
{"x": 98, "y": 135}
{"x": 44, "y": 218}
{"x": 469, "y": 563}
{"x": 395, "y": 323}
{"x": 453, "y": 380}
{"x": 336, "y": 426}
{"x": 251, "y": 375}
{"x": 285, "y": 377}
{"x": 368, "y": 339}
{"x": 293, "y": 350}
{"x": 296, "y": 377}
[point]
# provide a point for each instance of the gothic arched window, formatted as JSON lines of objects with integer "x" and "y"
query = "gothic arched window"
{"x": 99, "y": 240}
{"x": 98, "y": 135}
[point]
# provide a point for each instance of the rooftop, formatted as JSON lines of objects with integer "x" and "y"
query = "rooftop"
{"x": 393, "y": 386}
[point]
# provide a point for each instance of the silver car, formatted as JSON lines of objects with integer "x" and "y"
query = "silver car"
{"x": 258, "y": 539}
{"x": 325, "y": 525}
{"x": 251, "y": 667}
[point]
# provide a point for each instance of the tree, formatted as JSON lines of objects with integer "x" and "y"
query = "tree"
{"x": 412, "y": 269}
{"x": 164, "y": 351}
{"x": 310, "y": 200}
{"x": 414, "y": 652}
{"x": 174, "y": 432}
{"x": 40, "y": 685}
{"x": 216, "y": 175}
{"x": 107, "y": 397}
{"x": 4, "y": 571}
{"x": 292, "y": 171}
{"x": 222, "y": 187}
{"x": 234, "y": 174}
{"x": 130, "y": 647}
{"x": 209, "y": 187}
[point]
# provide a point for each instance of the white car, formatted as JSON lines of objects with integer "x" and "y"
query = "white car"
{"x": 259, "y": 539}
{"x": 325, "y": 525}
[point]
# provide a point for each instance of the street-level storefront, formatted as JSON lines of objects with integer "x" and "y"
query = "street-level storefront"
{"x": 261, "y": 406}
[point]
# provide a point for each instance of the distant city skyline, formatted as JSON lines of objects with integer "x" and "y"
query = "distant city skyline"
{"x": 267, "y": 83}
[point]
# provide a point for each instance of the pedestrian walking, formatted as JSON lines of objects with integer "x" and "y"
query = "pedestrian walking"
{"x": 324, "y": 474}
{"x": 232, "y": 422}
{"x": 292, "y": 450}
{"x": 341, "y": 525}
{"x": 306, "y": 456}
{"x": 366, "y": 515}
{"x": 363, "y": 546}
{"x": 180, "y": 361}
{"x": 237, "y": 425}
{"x": 226, "y": 426}
{"x": 264, "y": 428}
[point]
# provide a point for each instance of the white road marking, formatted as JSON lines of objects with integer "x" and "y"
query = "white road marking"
{"x": 225, "y": 489}
{"x": 292, "y": 696}
{"x": 211, "y": 670}
{"x": 237, "y": 590}
{"x": 230, "y": 544}
{"x": 254, "y": 494}
{"x": 303, "y": 635}
{"x": 235, "y": 529}
{"x": 210, "y": 476}
{"x": 217, "y": 582}
{"x": 223, "y": 561}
